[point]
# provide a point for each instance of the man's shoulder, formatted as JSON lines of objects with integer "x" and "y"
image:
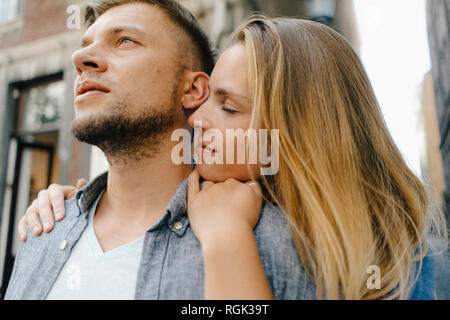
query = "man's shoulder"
{"x": 275, "y": 238}
{"x": 71, "y": 208}
{"x": 38, "y": 254}
{"x": 45, "y": 239}
{"x": 280, "y": 257}
{"x": 273, "y": 222}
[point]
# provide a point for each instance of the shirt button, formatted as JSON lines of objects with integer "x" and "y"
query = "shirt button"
{"x": 63, "y": 245}
{"x": 178, "y": 225}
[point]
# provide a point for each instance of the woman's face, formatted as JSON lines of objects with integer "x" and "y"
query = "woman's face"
{"x": 228, "y": 107}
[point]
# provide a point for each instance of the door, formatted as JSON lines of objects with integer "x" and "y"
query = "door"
{"x": 32, "y": 172}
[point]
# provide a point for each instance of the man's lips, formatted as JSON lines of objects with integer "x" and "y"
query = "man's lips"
{"x": 90, "y": 87}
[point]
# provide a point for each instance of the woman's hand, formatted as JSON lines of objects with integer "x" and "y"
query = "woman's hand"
{"x": 222, "y": 216}
{"x": 223, "y": 208}
{"x": 41, "y": 207}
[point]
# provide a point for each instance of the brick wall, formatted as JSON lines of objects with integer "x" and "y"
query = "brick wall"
{"x": 37, "y": 19}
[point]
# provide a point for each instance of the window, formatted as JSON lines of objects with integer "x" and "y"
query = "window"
{"x": 321, "y": 11}
{"x": 41, "y": 106}
{"x": 9, "y": 10}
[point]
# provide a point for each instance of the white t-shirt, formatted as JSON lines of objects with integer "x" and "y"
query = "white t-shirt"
{"x": 91, "y": 274}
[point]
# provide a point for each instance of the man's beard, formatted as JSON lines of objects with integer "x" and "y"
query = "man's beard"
{"x": 124, "y": 136}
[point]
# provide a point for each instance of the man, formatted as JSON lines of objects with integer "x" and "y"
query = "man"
{"x": 142, "y": 67}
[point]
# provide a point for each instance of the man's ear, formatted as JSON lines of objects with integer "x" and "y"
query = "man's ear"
{"x": 196, "y": 90}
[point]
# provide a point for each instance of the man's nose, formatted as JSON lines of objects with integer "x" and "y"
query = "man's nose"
{"x": 89, "y": 59}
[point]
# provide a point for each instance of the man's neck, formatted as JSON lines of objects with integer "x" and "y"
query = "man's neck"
{"x": 136, "y": 197}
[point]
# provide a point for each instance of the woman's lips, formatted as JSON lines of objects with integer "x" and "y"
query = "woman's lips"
{"x": 201, "y": 150}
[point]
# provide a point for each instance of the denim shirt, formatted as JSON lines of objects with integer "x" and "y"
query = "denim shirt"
{"x": 171, "y": 264}
{"x": 424, "y": 287}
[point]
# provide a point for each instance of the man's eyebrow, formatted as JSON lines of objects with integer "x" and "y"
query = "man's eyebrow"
{"x": 130, "y": 28}
{"x": 116, "y": 30}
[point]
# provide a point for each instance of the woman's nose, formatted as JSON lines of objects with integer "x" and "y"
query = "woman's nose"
{"x": 200, "y": 119}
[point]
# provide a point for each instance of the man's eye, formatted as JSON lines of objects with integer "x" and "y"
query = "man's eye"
{"x": 229, "y": 110}
{"x": 125, "y": 40}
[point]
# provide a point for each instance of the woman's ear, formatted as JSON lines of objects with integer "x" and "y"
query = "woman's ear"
{"x": 196, "y": 90}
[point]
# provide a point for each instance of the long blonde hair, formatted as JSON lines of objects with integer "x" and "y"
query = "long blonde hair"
{"x": 350, "y": 197}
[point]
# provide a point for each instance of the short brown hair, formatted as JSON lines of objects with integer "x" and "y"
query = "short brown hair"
{"x": 198, "y": 45}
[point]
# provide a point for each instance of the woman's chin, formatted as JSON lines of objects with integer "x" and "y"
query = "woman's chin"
{"x": 220, "y": 173}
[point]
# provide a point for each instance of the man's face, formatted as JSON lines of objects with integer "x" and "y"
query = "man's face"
{"x": 127, "y": 86}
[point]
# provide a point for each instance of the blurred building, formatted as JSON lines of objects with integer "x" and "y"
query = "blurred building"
{"x": 36, "y": 98}
{"x": 438, "y": 17}
{"x": 436, "y": 120}
{"x": 431, "y": 157}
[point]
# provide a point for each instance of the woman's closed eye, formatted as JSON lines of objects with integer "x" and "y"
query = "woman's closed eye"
{"x": 228, "y": 110}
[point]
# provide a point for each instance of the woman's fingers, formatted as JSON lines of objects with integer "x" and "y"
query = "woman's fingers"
{"x": 81, "y": 183}
{"x": 32, "y": 220}
{"x": 193, "y": 184}
{"x": 22, "y": 229}
{"x": 45, "y": 210}
{"x": 255, "y": 187}
{"x": 207, "y": 184}
{"x": 47, "y": 207}
{"x": 56, "y": 195}
{"x": 60, "y": 193}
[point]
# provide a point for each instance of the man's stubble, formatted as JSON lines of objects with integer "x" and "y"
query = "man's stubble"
{"x": 125, "y": 135}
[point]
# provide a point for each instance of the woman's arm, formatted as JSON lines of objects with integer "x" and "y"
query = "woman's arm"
{"x": 223, "y": 216}
{"x": 233, "y": 269}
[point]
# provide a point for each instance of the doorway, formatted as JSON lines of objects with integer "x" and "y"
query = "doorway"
{"x": 33, "y": 162}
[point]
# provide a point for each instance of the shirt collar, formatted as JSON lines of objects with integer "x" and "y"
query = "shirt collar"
{"x": 176, "y": 211}
{"x": 90, "y": 192}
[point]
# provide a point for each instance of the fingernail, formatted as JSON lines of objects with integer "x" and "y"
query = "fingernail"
{"x": 58, "y": 215}
{"x": 22, "y": 235}
{"x": 36, "y": 229}
{"x": 47, "y": 225}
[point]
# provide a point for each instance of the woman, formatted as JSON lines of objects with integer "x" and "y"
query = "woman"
{"x": 351, "y": 200}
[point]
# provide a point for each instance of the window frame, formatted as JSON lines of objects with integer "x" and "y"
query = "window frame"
{"x": 14, "y": 17}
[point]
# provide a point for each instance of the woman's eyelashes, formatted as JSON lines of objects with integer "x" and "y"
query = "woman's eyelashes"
{"x": 226, "y": 106}
{"x": 228, "y": 110}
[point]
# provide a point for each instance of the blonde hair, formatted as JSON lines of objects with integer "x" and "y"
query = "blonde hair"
{"x": 351, "y": 200}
